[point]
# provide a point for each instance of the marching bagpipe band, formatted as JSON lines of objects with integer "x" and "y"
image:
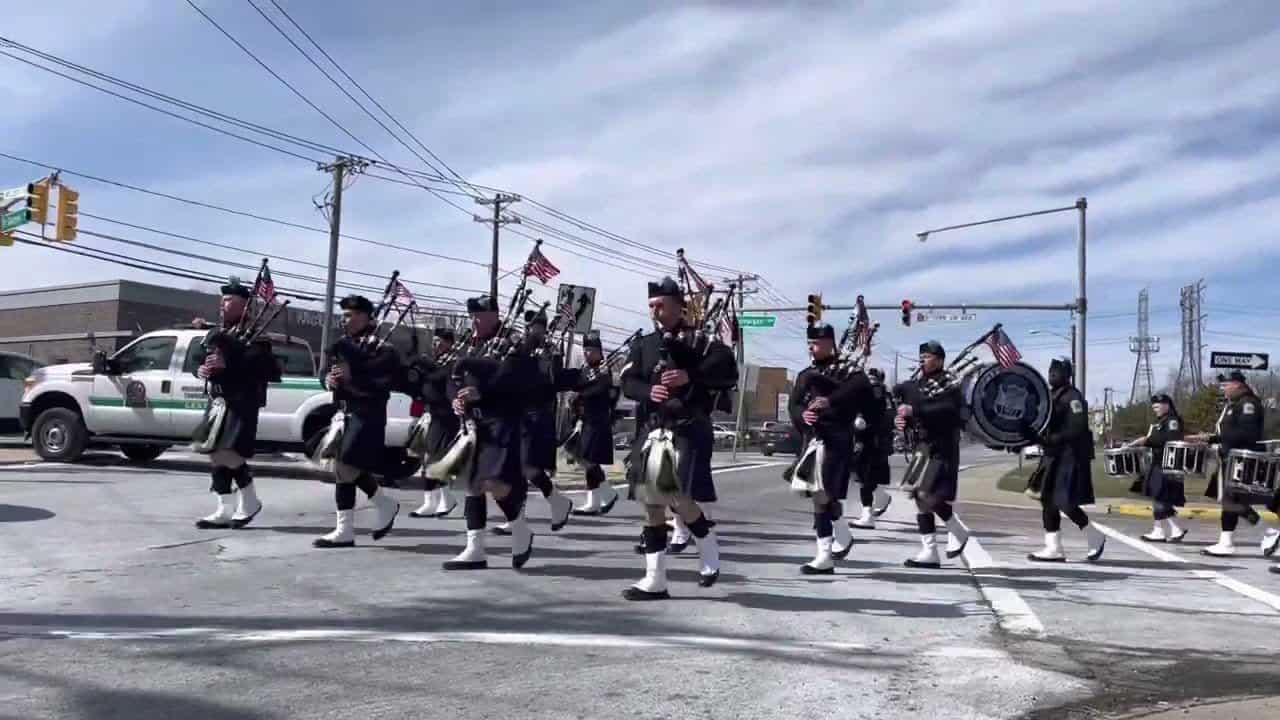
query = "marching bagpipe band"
{"x": 805, "y": 474}
{"x": 611, "y": 364}
{"x": 344, "y": 353}
{"x": 221, "y": 343}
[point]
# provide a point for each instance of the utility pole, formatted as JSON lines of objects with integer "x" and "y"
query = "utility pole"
{"x": 742, "y": 360}
{"x": 498, "y": 220}
{"x": 339, "y": 168}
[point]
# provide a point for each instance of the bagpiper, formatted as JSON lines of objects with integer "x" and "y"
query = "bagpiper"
{"x": 596, "y": 397}
{"x": 432, "y": 389}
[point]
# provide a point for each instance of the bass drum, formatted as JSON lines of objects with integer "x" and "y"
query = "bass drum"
{"x": 999, "y": 400}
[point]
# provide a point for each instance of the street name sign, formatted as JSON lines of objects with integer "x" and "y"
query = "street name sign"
{"x": 945, "y": 316}
{"x": 13, "y": 194}
{"x": 14, "y": 219}
{"x": 1239, "y": 360}
{"x": 757, "y": 321}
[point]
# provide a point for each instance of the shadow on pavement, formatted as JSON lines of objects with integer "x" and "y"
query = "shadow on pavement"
{"x": 23, "y": 513}
{"x": 898, "y": 608}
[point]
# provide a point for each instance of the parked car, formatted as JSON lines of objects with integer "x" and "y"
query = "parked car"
{"x": 783, "y": 442}
{"x": 622, "y": 441}
{"x": 14, "y": 370}
{"x": 722, "y": 434}
{"x": 145, "y": 398}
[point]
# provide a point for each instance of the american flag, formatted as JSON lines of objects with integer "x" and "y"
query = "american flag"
{"x": 264, "y": 287}
{"x": 539, "y": 266}
{"x": 1002, "y": 347}
{"x": 401, "y": 298}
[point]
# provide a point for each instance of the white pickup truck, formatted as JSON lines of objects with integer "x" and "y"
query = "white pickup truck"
{"x": 145, "y": 398}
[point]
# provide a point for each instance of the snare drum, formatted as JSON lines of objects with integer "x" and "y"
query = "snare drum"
{"x": 1272, "y": 446}
{"x": 1121, "y": 462}
{"x": 1184, "y": 458}
{"x": 1252, "y": 475}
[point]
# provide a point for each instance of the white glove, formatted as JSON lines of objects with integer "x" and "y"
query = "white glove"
{"x": 859, "y": 423}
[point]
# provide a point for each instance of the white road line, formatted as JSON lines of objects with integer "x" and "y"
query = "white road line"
{"x": 1269, "y": 599}
{"x": 1013, "y": 613}
{"x": 703, "y": 642}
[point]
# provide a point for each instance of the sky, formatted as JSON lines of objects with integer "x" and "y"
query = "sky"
{"x": 806, "y": 143}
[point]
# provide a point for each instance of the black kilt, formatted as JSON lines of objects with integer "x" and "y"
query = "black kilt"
{"x": 694, "y": 444}
{"x": 498, "y": 454}
{"x": 440, "y": 435}
{"x": 1164, "y": 487}
{"x": 837, "y": 464}
{"x": 871, "y": 467}
{"x": 538, "y": 440}
{"x": 239, "y": 428}
{"x": 595, "y": 443}
{"x": 934, "y": 474}
{"x": 364, "y": 441}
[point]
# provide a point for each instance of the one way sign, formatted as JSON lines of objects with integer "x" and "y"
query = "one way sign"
{"x": 1239, "y": 360}
{"x": 582, "y": 301}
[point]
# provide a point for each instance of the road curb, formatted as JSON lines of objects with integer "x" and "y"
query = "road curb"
{"x": 1202, "y": 513}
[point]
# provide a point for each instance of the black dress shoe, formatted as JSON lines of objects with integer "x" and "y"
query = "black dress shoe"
{"x": 953, "y": 554}
{"x": 842, "y": 554}
{"x": 676, "y": 548}
{"x": 708, "y": 580}
{"x": 1275, "y": 569}
{"x": 329, "y": 544}
{"x": 604, "y": 510}
{"x": 807, "y": 569}
{"x": 913, "y": 563}
{"x": 382, "y": 532}
{"x": 635, "y": 593}
{"x": 466, "y": 565}
{"x": 206, "y": 525}
{"x": 518, "y": 561}
{"x": 498, "y": 530}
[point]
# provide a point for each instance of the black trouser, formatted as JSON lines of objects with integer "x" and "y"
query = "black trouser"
{"x": 1162, "y": 510}
{"x": 595, "y": 476}
{"x": 866, "y": 494}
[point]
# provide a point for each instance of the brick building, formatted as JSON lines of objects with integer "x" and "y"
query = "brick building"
{"x": 65, "y": 323}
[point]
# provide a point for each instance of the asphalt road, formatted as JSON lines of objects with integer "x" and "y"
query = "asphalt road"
{"x": 113, "y": 605}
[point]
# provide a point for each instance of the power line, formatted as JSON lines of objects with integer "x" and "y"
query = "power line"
{"x": 162, "y": 110}
{"x": 372, "y": 99}
{"x": 240, "y": 213}
{"x": 256, "y": 253}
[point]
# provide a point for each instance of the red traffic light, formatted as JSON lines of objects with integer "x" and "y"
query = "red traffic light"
{"x": 906, "y": 313}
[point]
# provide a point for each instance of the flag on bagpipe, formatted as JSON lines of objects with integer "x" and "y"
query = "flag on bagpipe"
{"x": 1002, "y": 348}
{"x": 401, "y": 298}
{"x": 539, "y": 266}
{"x": 264, "y": 287}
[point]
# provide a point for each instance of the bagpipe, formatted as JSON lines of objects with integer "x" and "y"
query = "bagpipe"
{"x": 709, "y": 320}
{"x": 221, "y": 343}
{"x": 347, "y": 352}
{"x": 415, "y": 376}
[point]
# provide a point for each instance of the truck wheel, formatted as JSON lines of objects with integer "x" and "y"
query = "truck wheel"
{"x": 143, "y": 453}
{"x": 59, "y": 435}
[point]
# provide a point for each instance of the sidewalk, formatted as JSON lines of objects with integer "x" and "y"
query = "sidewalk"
{"x": 1251, "y": 709}
{"x": 979, "y": 484}
{"x": 17, "y": 455}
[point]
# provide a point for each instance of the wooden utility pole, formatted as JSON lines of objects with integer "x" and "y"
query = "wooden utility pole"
{"x": 339, "y": 168}
{"x": 498, "y": 220}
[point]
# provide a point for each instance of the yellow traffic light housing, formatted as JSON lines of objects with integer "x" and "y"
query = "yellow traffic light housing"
{"x": 68, "y": 214}
{"x": 38, "y": 201}
{"x": 6, "y": 239}
{"x": 815, "y": 309}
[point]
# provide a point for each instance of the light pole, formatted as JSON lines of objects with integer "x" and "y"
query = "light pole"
{"x": 1069, "y": 338}
{"x": 1081, "y": 304}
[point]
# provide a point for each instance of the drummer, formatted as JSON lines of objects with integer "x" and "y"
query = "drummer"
{"x": 1239, "y": 428}
{"x": 1165, "y": 490}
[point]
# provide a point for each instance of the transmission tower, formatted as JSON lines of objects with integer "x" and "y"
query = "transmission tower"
{"x": 1143, "y": 345}
{"x": 1190, "y": 369}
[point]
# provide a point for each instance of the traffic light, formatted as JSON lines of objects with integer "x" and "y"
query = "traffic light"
{"x": 906, "y": 313}
{"x": 68, "y": 213}
{"x": 815, "y": 309}
{"x": 38, "y": 201}
{"x": 6, "y": 239}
